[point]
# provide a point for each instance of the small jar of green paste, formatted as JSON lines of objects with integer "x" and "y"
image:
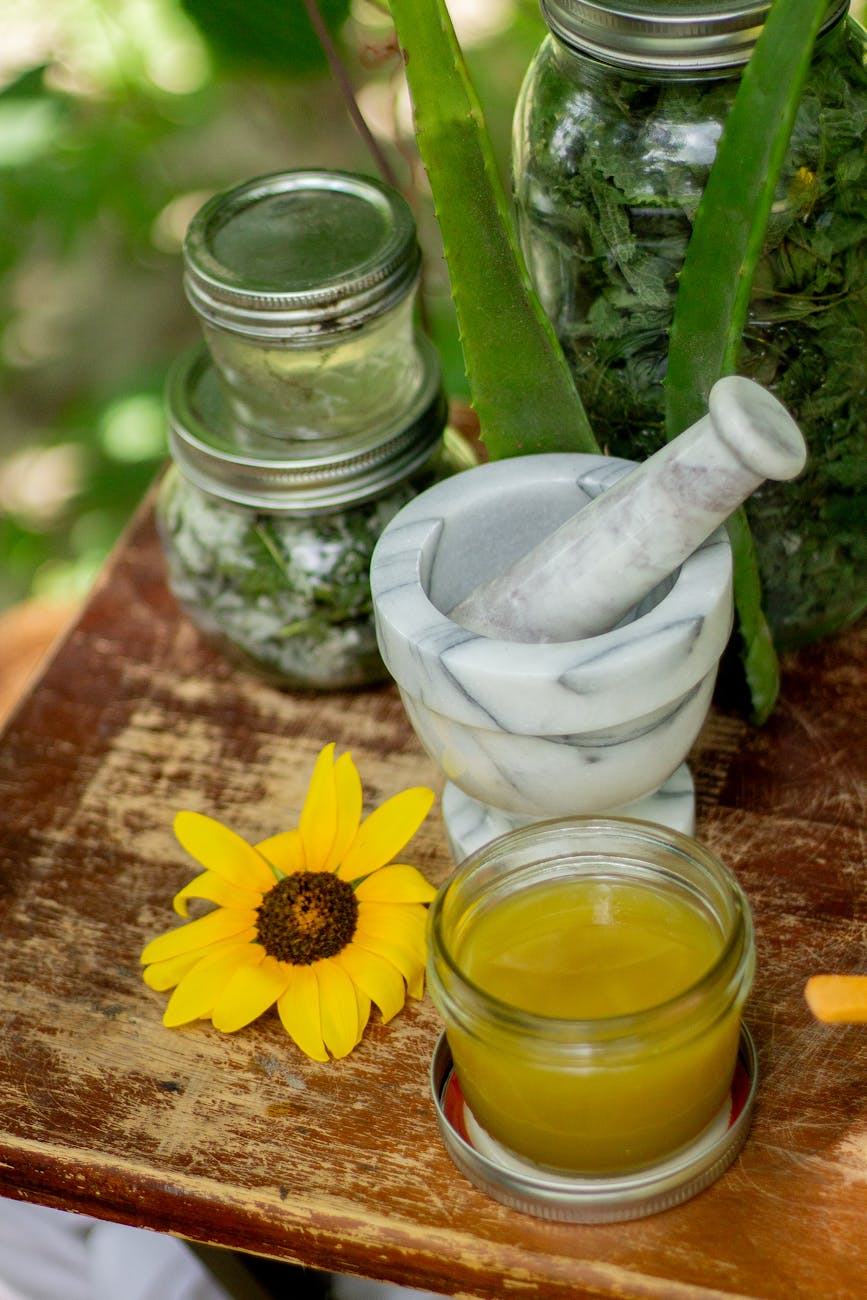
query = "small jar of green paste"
{"x": 305, "y": 284}
{"x": 268, "y": 548}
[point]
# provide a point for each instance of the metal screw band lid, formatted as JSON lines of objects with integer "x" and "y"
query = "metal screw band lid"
{"x": 295, "y": 477}
{"x": 666, "y": 35}
{"x": 297, "y": 256}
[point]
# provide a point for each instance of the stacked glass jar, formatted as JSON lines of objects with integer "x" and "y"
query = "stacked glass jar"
{"x": 310, "y": 414}
{"x": 615, "y": 133}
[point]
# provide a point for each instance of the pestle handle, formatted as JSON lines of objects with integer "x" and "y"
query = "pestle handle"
{"x": 584, "y": 577}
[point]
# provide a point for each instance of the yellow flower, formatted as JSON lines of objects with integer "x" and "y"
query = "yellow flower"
{"x": 312, "y": 919}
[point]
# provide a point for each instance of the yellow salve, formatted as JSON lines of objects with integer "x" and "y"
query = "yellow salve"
{"x": 613, "y": 1094}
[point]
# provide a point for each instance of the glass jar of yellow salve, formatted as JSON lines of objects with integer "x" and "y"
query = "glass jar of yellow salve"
{"x": 591, "y": 974}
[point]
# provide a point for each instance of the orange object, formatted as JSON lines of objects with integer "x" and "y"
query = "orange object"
{"x": 838, "y": 999}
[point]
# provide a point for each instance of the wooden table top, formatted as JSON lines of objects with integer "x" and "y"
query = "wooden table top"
{"x": 240, "y": 1140}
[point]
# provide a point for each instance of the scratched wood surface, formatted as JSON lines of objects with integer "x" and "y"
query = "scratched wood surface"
{"x": 239, "y": 1140}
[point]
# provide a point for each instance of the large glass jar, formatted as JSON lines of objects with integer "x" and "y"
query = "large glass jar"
{"x": 615, "y": 132}
{"x": 269, "y": 546}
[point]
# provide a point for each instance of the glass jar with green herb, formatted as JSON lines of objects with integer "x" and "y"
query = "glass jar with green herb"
{"x": 305, "y": 283}
{"x": 269, "y": 548}
{"x": 615, "y": 133}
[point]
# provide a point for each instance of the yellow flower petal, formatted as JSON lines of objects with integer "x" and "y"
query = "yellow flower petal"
{"x": 221, "y": 850}
{"x": 349, "y": 805}
{"x": 405, "y": 923}
{"x": 162, "y": 975}
{"x": 249, "y": 992}
{"x": 410, "y": 918}
{"x": 225, "y": 923}
{"x": 199, "y": 990}
{"x": 298, "y": 1007}
{"x": 385, "y": 832}
{"x": 318, "y": 821}
{"x": 362, "y": 1002}
{"x": 415, "y": 984}
{"x": 338, "y": 1007}
{"x": 395, "y": 884}
{"x": 376, "y": 977}
{"x": 284, "y": 851}
{"x": 215, "y": 889}
{"x": 397, "y": 953}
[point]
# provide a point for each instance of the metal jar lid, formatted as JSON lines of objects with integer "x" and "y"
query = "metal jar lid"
{"x": 295, "y": 477}
{"x": 672, "y": 36}
{"x": 297, "y": 256}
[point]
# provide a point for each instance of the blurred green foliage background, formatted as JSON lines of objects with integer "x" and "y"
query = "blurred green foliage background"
{"x": 118, "y": 118}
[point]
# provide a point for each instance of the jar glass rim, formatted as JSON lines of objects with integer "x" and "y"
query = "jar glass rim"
{"x": 584, "y": 1034}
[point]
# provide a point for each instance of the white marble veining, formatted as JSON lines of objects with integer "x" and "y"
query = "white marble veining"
{"x": 543, "y": 730}
{"x": 470, "y": 823}
{"x": 589, "y": 572}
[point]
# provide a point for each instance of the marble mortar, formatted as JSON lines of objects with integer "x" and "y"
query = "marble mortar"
{"x": 526, "y": 731}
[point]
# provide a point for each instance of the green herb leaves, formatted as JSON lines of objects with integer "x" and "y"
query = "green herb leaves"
{"x": 729, "y": 229}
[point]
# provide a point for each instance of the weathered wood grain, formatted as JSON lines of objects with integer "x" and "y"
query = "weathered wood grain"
{"x": 240, "y": 1140}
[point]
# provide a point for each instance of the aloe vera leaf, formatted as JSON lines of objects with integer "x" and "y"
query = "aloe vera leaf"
{"x": 757, "y": 650}
{"x": 520, "y": 383}
{"x": 758, "y": 656}
{"x": 716, "y": 280}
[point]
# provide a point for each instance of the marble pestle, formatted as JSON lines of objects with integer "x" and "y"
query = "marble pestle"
{"x": 585, "y": 576}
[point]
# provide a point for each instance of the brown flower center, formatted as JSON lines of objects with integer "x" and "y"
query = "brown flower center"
{"x": 307, "y": 916}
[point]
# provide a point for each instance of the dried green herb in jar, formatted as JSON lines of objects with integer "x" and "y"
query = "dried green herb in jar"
{"x": 269, "y": 552}
{"x": 615, "y": 133}
{"x": 288, "y": 596}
